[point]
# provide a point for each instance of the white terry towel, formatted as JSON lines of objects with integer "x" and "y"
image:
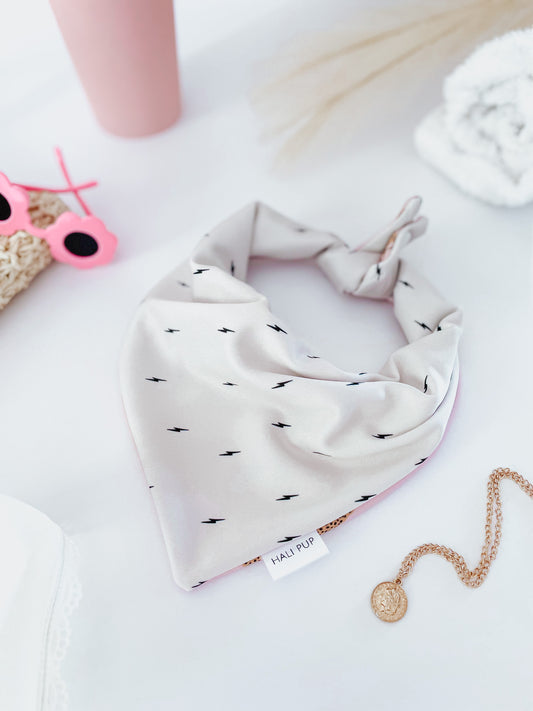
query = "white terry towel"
{"x": 481, "y": 137}
{"x": 38, "y": 592}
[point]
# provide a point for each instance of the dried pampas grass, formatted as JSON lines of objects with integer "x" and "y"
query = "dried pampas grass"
{"x": 325, "y": 82}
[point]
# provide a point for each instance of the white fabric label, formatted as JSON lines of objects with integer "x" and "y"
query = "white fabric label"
{"x": 293, "y": 555}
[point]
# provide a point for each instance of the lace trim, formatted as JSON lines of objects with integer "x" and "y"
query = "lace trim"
{"x": 55, "y": 696}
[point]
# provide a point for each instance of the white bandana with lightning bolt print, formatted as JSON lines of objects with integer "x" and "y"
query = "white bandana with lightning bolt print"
{"x": 246, "y": 437}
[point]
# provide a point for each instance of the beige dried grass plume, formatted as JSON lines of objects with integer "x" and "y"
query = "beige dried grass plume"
{"x": 323, "y": 83}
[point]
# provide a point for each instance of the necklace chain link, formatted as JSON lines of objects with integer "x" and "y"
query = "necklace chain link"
{"x": 493, "y": 533}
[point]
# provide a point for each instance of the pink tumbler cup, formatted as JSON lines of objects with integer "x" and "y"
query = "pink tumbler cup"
{"x": 125, "y": 54}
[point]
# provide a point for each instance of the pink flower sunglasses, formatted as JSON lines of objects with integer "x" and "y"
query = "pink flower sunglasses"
{"x": 83, "y": 242}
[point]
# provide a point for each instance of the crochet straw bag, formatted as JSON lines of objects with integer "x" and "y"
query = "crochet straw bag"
{"x": 22, "y": 255}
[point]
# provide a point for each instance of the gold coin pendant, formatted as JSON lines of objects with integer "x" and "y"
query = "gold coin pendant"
{"x": 389, "y": 601}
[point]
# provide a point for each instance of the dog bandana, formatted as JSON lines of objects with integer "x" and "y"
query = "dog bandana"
{"x": 247, "y": 437}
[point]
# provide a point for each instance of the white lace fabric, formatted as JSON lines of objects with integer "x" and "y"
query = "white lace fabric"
{"x": 55, "y": 694}
{"x": 40, "y": 590}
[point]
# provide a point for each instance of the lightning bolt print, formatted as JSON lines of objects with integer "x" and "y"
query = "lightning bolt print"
{"x": 177, "y": 429}
{"x": 382, "y": 436}
{"x": 426, "y": 384}
{"x": 201, "y": 581}
{"x": 287, "y": 539}
{"x": 287, "y": 497}
{"x": 281, "y": 384}
{"x": 226, "y": 330}
{"x": 201, "y": 271}
{"x": 421, "y": 461}
{"x": 354, "y": 383}
{"x": 313, "y": 357}
{"x": 230, "y": 453}
{"x": 281, "y": 424}
{"x": 233, "y": 385}
{"x": 423, "y": 325}
{"x": 156, "y": 380}
{"x": 171, "y": 330}
{"x": 406, "y": 283}
{"x": 365, "y": 497}
{"x": 277, "y": 328}
{"x": 378, "y": 269}
{"x": 214, "y": 520}
{"x": 232, "y": 268}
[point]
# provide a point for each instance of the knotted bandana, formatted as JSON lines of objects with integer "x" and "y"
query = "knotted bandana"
{"x": 247, "y": 437}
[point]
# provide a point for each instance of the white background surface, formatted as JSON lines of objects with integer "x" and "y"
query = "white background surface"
{"x": 310, "y": 641}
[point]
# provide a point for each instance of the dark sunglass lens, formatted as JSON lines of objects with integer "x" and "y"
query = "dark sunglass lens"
{"x": 5, "y": 209}
{"x": 81, "y": 244}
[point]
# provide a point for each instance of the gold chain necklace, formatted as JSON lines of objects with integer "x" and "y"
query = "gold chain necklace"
{"x": 389, "y": 600}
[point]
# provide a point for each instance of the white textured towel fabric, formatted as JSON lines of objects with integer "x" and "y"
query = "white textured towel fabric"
{"x": 481, "y": 138}
{"x": 247, "y": 437}
{"x": 38, "y": 592}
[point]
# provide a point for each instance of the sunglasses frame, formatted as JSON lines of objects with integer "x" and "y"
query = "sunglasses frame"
{"x": 67, "y": 224}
